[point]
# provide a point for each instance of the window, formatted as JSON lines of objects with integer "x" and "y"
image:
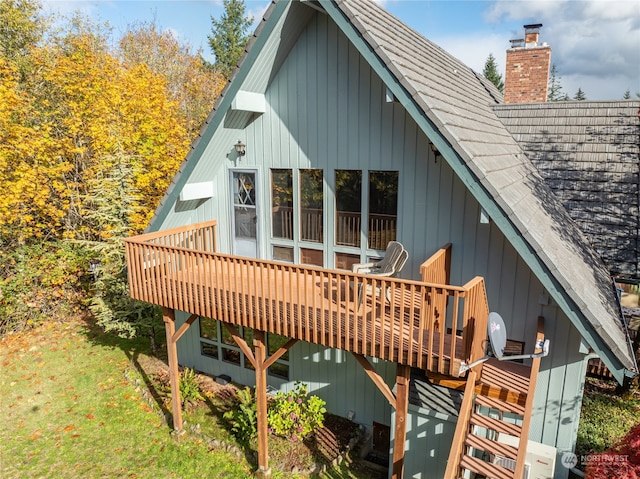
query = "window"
{"x": 348, "y": 207}
{"x": 209, "y": 328}
{"x": 280, "y": 368}
{"x": 282, "y": 204}
{"x": 209, "y": 331}
{"x": 216, "y": 343}
{"x": 383, "y": 208}
{"x": 209, "y": 350}
{"x": 311, "y": 257}
{"x": 346, "y": 260}
{"x": 311, "y": 204}
{"x": 230, "y": 351}
{"x": 283, "y": 253}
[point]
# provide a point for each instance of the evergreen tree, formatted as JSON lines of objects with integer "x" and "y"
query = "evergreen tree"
{"x": 579, "y": 96}
{"x": 627, "y": 95}
{"x": 229, "y": 36}
{"x": 113, "y": 199}
{"x": 490, "y": 72}
{"x": 555, "y": 88}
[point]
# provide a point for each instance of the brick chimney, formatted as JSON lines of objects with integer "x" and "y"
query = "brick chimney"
{"x": 527, "y": 68}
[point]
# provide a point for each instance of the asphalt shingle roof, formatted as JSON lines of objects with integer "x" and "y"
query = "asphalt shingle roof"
{"x": 588, "y": 153}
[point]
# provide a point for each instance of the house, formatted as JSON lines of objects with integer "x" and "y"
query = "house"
{"x": 343, "y": 129}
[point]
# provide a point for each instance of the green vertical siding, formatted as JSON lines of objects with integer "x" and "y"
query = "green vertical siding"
{"x": 430, "y": 435}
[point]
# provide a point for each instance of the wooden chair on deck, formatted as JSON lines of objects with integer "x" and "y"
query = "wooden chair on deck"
{"x": 394, "y": 259}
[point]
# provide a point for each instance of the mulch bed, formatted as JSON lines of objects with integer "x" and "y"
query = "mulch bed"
{"x": 326, "y": 447}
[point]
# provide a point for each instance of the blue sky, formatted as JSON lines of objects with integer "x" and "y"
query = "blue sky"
{"x": 595, "y": 43}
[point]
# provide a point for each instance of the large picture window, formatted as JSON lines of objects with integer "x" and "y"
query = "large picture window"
{"x": 364, "y": 219}
{"x": 383, "y": 208}
{"x": 282, "y": 204}
{"x": 311, "y": 205}
{"x": 348, "y": 207}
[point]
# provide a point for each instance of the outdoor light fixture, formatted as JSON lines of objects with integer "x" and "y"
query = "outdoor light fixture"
{"x": 240, "y": 148}
{"x": 436, "y": 153}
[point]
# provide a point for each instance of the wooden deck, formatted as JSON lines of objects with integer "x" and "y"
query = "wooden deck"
{"x": 423, "y": 324}
{"x": 179, "y": 270}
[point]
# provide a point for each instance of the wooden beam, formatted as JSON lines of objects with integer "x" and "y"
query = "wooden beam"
{"x": 376, "y": 378}
{"x": 183, "y": 329}
{"x": 169, "y": 318}
{"x": 261, "y": 399}
{"x": 278, "y": 354}
{"x": 242, "y": 344}
{"x": 403, "y": 378}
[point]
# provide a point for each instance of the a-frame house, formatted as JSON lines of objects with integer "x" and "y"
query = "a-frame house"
{"x": 343, "y": 129}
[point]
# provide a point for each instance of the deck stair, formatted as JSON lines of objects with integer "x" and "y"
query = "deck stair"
{"x": 498, "y": 402}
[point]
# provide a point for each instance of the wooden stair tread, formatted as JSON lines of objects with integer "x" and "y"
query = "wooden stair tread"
{"x": 495, "y": 424}
{"x": 506, "y": 375}
{"x": 488, "y": 469}
{"x": 500, "y": 405}
{"x": 492, "y": 447}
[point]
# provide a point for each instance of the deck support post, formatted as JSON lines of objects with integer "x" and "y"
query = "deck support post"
{"x": 403, "y": 378}
{"x": 169, "y": 318}
{"x": 263, "y": 471}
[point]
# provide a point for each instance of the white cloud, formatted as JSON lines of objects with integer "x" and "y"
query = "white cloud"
{"x": 474, "y": 49}
{"x": 595, "y": 44}
{"x": 257, "y": 12}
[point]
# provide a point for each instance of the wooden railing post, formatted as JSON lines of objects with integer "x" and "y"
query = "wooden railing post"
{"x": 261, "y": 399}
{"x": 475, "y": 318}
{"x": 526, "y": 421}
{"x": 169, "y": 318}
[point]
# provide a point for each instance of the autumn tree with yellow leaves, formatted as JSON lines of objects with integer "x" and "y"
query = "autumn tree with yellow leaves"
{"x": 74, "y": 102}
{"x": 69, "y": 105}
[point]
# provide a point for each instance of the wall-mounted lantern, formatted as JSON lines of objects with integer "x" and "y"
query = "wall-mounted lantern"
{"x": 240, "y": 148}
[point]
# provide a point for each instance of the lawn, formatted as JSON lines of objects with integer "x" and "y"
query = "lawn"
{"x": 73, "y": 399}
{"x": 72, "y": 414}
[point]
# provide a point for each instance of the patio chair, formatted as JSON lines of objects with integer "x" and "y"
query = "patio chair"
{"x": 394, "y": 259}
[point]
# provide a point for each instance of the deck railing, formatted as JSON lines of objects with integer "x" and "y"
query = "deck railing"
{"x": 392, "y": 319}
{"x": 437, "y": 269}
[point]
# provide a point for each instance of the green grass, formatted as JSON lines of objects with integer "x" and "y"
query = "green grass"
{"x": 70, "y": 413}
{"x": 73, "y": 410}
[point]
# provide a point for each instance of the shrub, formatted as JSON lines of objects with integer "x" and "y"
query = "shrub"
{"x": 621, "y": 461}
{"x": 189, "y": 388}
{"x": 295, "y": 415}
{"x": 244, "y": 417}
{"x": 41, "y": 282}
{"x": 604, "y": 420}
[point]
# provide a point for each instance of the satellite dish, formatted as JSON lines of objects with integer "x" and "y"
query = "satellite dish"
{"x": 497, "y": 333}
